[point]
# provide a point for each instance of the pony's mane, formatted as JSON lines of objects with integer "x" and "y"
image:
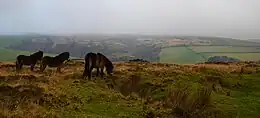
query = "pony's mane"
{"x": 61, "y": 54}
{"x": 48, "y": 57}
{"x": 61, "y": 57}
{"x": 36, "y": 54}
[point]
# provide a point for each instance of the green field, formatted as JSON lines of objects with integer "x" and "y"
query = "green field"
{"x": 181, "y": 55}
{"x": 194, "y": 54}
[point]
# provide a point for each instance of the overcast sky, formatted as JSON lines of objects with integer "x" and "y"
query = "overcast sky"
{"x": 231, "y": 18}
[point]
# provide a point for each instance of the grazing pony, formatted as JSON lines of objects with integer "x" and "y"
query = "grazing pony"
{"x": 56, "y": 61}
{"x": 28, "y": 60}
{"x": 97, "y": 61}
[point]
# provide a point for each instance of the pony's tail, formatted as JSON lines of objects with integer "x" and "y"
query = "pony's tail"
{"x": 86, "y": 67}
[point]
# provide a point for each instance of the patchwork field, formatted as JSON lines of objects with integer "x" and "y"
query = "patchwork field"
{"x": 136, "y": 90}
{"x": 195, "y": 54}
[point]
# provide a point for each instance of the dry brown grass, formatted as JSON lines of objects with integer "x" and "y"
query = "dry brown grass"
{"x": 191, "y": 105}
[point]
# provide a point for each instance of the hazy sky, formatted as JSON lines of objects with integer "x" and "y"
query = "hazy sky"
{"x": 232, "y": 18}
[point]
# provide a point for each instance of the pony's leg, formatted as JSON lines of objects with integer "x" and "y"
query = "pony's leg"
{"x": 59, "y": 69}
{"x": 89, "y": 73}
{"x": 97, "y": 71}
{"x": 20, "y": 66}
{"x": 85, "y": 73}
{"x": 17, "y": 66}
{"x": 102, "y": 72}
{"x": 42, "y": 67}
{"x": 32, "y": 67}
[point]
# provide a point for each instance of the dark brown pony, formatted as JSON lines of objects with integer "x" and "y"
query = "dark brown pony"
{"x": 56, "y": 61}
{"x": 97, "y": 61}
{"x": 28, "y": 60}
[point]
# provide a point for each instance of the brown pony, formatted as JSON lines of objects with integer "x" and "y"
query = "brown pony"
{"x": 97, "y": 61}
{"x": 28, "y": 60}
{"x": 56, "y": 61}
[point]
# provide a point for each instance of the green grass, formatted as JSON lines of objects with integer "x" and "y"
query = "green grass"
{"x": 243, "y": 102}
{"x": 97, "y": 101}
{"x": 180, "y": 55}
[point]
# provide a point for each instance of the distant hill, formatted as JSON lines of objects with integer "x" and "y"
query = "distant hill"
{"x": 124, "y": 47}
{"x": 254, "y": 40}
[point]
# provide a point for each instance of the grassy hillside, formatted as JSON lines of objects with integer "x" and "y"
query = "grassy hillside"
{"x": 135, "y": 90}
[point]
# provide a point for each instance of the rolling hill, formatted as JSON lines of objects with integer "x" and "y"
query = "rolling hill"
{"x": 135, "y": 90}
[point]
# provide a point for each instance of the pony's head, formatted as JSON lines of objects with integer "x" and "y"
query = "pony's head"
{"x": 109, "y": 69}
